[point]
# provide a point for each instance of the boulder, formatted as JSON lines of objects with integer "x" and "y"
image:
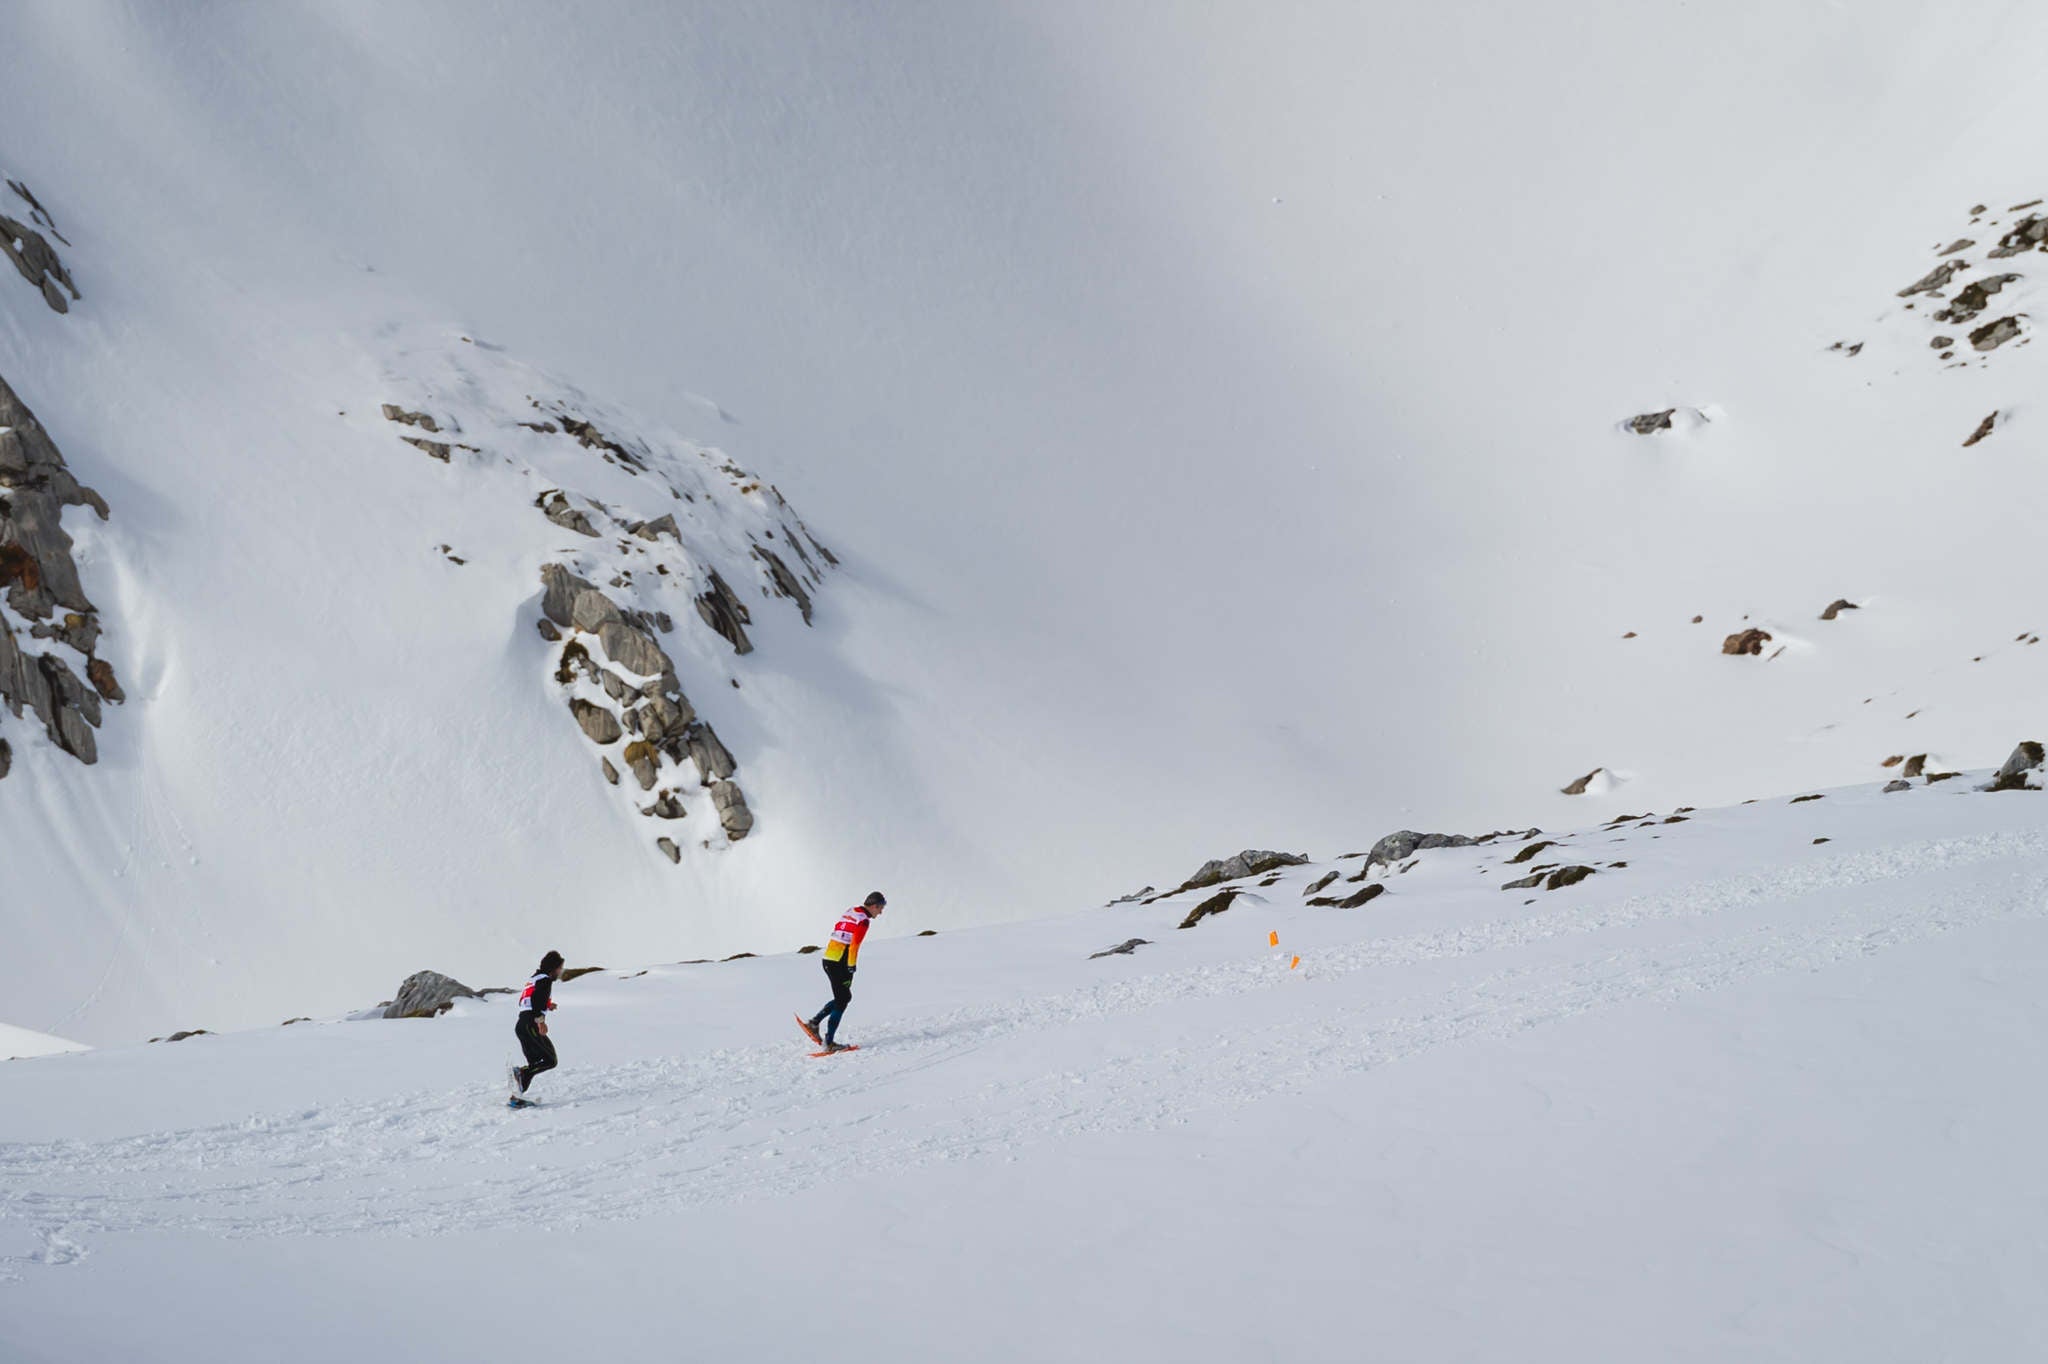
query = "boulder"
{"x": 1983, "y": 429}
{"x": 1578, "y": 785}
{"x": 2022, "y": 771}
{"x": 1750, "y": 641}
{"x": 599, "y": 724}
{"x": 1992, "y": 335}
{"x": 560, "y": 588}
{"x": 611, "y": 774}
{"x": 2028, "y": 234}
{"x": 1837, "y": 607}
{"x": 1897, "y": 784}
{"x": 665, "y": 524}
{"x": 1567, "y": 876}
{"x": 1122, "y": 949}
{"x": 1320, "y": 884}
{"x": 1649, "y": 422}
{"x": 1915, "y": 765}
{"x": 592, "y": 610}
{"x": 733, "y": 814}
{"x": 667, "y": 805}
{"x": 1528, "y": 854}
{"x": 548, "y": 630}
{"x": 669, "y": 849}
{"x": 633, "y": 649}
{"x": 1250, "y": 862}
{"x": 1525, "y": 883}
{"x": 394, "y": 413}
{"x": 666, "y": 717}
{"x": 427, "y": 993}
{"x": 38, "y": 263}
{"x": 714, "y": 762}
{"x": 640, "y": 758}
{"x": 1402, "y": 844}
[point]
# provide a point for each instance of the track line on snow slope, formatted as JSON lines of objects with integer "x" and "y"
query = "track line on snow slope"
{"x": 664, "y": 1133}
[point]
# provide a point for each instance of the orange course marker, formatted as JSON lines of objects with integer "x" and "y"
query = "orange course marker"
{"x": 1273, "y": 938}
{"x": 1292, "y": 964}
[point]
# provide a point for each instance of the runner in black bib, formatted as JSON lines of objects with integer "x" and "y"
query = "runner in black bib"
{"x": 532, "y": 1027}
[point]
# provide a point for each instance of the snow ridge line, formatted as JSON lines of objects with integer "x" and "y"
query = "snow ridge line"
{"x": 689, "y": 1142}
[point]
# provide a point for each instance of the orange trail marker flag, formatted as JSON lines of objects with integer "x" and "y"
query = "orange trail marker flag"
{"x": 1273, "y": 938}
{"x": 1293, "y": 964}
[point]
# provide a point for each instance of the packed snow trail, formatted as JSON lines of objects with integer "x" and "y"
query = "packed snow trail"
{"x": 978, "y": 1082}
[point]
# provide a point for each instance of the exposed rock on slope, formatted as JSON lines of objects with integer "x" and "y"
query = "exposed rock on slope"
{"x": 42, "y": 588}
{"x": 655, "y": 526}
{"x": 33, "y": 255}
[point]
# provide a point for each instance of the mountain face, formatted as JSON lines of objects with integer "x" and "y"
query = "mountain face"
{"x": 1233, "y": 431}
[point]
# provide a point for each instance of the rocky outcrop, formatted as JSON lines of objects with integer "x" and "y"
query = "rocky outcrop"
{"x": 1648, "y": 423}
{"x": 784, "y": 582}
{"x": 427, "y": 993}
{"x": 1984, "y": 428}
{"x": 34, "y": 257}
{"x": 1750, "y": 641}
{"x": 2022, "y": 770}
{"x": 1837, "y": 607}
{"x": 726, "y": 613}
{"x": 1250, "y": 862}
{"x": 600, "y": 726}
{"x": 41, "y": 585}
{"x": 1578, "y": 785}
{"x": 1122, "y": 949}
{"x": 1402, "y": 844}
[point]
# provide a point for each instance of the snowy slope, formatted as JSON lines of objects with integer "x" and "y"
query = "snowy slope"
{"x": 1750, "y": 1095}
{"x": 1216, "y": 415}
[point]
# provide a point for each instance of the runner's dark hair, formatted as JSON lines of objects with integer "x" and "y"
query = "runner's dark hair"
{"x": 551, "y": 963}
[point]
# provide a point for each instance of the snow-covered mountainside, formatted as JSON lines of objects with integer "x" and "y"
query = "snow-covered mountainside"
{"x": 1223, "y": 420}
{"x": 1751, "y": 1087}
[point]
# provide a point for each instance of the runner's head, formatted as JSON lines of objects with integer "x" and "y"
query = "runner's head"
{"x": 874, "y": 903}
{"x": 552, "y": 964}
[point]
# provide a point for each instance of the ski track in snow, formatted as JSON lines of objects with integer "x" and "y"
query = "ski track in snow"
{"x": 662, "y": 1134}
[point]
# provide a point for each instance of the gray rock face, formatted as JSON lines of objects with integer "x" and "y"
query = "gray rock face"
{"x": 726, "y": 614}
{"x": 641, "y": 760}
{"x": 1122, "y": 949}
{"x": 426, "y": 993}
{"x": 1984, "y": 428}
{"x": 667, "y": 805}
{"x": 669, "y": 849}
{"x": 1649, "y": 423}
{"x": 714, "y": 762}
{"x": 394, "y": 413}
{"x": 665, "y": 717}
{"x": 1897, "y": 784}
{"x": 733, "y": 814}
{"x": 2022, "y": 771}
{"x": 1250, "y": 862}
{"x": 1402, "y": 844}
{"x": 599, "y": 724}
